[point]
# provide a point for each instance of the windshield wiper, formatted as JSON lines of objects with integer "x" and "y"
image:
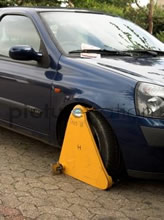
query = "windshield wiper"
{"x": 102, "y": 52}
{"x": 147, "y": 52}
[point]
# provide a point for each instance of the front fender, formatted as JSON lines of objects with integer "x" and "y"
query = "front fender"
{"x": 106, "y": 88}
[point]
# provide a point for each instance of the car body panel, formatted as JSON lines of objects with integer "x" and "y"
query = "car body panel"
{"x": 147, "y": 69}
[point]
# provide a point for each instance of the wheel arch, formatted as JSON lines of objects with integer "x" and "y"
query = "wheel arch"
{"x": 64, "y": 116}
{"x": 65, "y": 111}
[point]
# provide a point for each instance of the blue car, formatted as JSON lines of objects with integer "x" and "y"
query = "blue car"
{"x": 53, "y": 59}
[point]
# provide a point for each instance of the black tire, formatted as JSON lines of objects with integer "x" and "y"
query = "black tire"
{"x": 107, "y": 145}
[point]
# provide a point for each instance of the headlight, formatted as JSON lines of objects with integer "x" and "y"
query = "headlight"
{"x": 150, "y": 100}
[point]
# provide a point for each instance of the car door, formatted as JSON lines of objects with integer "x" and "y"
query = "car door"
{"x": 24, "y": 86}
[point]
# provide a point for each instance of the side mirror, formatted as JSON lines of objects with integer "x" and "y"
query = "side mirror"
{"x": 26, "y": 53}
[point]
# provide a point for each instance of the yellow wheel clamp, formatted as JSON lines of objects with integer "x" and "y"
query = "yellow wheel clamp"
{"x": 80, "y": 156}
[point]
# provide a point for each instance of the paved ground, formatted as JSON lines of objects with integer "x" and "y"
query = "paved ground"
{"x": 29, "y": 191}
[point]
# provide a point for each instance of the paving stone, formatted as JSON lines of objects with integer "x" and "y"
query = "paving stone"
{"x": 32, "y": 200}
{"x": 81, "y": 212}
{"x": 50, "y": 187}
{"x": 86, "y": 194}
{"x": 67, "y": 187}
{"x": 29, "y": 210}
{"x": 55, "y": 211}
{"x": 10, "y": 200}
{"x": 30, "y": 173}
{"x": 59, "y": 202}
{"x": 7, "y": 189}
{"x": 47, "y": 217}
{"x": 5, "y": 179}
{"x": 61, "y": 193}
{"x": 38, "y": 193}
{"x": 22, "y": 186}
{"x": 85, "y": 203}
{"x": 108, "y": 212}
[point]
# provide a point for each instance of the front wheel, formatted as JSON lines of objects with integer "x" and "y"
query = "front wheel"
{"x": 107, "y": 145}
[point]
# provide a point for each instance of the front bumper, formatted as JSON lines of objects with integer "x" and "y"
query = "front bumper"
{"x": 141, "y": 141}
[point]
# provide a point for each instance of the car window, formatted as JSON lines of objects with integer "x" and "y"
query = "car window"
{"x": 17, "y": 30}
{"x": 72, "y": 30}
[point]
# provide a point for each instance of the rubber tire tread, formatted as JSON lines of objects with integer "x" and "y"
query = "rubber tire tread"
{"x": 108, "y": 146}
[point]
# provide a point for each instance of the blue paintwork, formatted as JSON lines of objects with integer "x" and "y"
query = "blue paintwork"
{"x": 107, "y": 84}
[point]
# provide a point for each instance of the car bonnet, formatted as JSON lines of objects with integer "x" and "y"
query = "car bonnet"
{"x": 148, "y": 69}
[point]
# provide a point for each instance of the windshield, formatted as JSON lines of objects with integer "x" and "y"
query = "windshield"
{"x": 76, "y": 31}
